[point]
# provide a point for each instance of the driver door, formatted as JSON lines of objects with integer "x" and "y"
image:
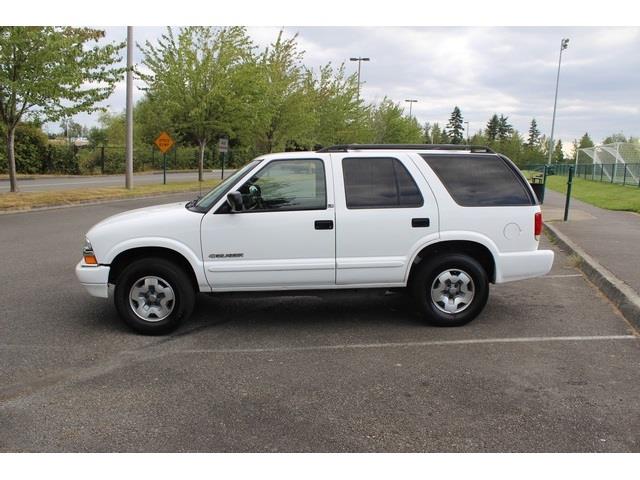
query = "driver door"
{"x": 284, "y": 238}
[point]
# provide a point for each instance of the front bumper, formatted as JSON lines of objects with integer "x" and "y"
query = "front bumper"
{"x": 521, "y": 265}
{"x": 95, "y": 278}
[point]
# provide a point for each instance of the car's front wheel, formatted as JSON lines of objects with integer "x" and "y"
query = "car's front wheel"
{"x": 450, "y": 290}
{"x": 153, "y": 296}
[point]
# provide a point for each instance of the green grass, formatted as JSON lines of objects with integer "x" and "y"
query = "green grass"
{"x": 28, "y": 200}
{"x": 603, "y": 195}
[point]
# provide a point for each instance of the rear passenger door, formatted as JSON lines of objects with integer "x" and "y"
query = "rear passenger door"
{"x": 384, "y": 211}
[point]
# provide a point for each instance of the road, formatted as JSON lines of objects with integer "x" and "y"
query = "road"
{"x": 549, "y": 366}
{"x": 39, "y": 184}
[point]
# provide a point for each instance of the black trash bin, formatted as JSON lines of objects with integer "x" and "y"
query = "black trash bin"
{"x": 537, "y": 183}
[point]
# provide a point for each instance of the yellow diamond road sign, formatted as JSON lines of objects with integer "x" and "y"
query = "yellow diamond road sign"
{"x": 164, "y": 142}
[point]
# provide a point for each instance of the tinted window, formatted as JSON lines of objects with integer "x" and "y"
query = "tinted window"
{"x": 286, "y": 185}
{"x": 479, "y": 180}
{"x": 379, "y": 183}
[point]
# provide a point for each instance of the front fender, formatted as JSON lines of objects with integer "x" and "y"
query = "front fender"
{"x": 141, "y": 242}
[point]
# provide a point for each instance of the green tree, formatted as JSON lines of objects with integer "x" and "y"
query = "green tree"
{"x": 558, "y": 154}
{"x": 436, "y": 134}
{"x": 504, "y": 128}
{"x": 491, "y": 132}
{"x": 390, "y": 125}
{"x": 97, "y": 137}
{"x": 52, "y": 72}
{"x": 338, "y": 116}
{"x": 455, "y": 127}
{"x": 585, "y": 141}
{"x": 286, "y": 96}
{"x": 427, "y": 133}
{"x": 534, "y": 134}
{"x": 575, "y": 146}
{"x": 203, "y": 77}
{"x": 615, "y": 138}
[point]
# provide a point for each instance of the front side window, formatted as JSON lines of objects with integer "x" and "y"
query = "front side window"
{"x": 217, "y": 192}
{"x": 379, "y": 183}
{"x": 286, "y": 185}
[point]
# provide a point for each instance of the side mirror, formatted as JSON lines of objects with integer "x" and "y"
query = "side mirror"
{"x": 234, "y": 199}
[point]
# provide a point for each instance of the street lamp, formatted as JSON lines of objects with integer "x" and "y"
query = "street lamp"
{"x": 564, "y": 43}
{"x": 411, "y": 102}
{"x": 359, "y": 60}
{"x": 467, "y": 124}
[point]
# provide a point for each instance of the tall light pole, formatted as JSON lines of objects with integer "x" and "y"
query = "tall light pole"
{"x": 359, "y": 60}
{"x": 411, "y": 102}
{"x": 467, "y": 124}
{"x": 564, "y": 43}
{"x": 129, "y": 143}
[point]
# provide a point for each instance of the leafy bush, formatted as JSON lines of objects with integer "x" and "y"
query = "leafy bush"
{"x": 30, "y": 149}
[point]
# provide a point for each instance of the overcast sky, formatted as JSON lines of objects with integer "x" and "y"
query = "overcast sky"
{"x": 483, "y": 70}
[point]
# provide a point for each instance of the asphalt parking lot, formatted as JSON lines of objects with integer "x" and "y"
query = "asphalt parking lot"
{"x": 549, "y": 366}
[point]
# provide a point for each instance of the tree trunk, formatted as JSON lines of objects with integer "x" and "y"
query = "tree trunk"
{"x": 11, "y": 158}
{"x": 203, "y": 144}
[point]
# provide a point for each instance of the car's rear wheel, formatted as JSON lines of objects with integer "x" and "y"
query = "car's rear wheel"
{"x": 450, "y": 290}
{"x": 153, "y": 296}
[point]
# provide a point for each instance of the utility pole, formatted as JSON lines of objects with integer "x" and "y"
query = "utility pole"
{"x": 564, "y": 43}
{"x": 129, "y": 145}
{"x": 411, "y": 102}
{"x": 359, "y": 60}
{"x": 467, "y": 123}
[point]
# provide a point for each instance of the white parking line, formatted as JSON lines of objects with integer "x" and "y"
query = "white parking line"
{"x": 473, "y": 341}
{"x": 568, "y": 275}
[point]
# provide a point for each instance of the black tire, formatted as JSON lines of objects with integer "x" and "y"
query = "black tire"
{"x": 184, "y": 295}
{"x": 425, "y": 277}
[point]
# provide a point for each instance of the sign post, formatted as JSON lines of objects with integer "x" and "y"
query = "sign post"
{"x": 164, "y": 168}
{"x": 164, "y": 142}
{"x": 223, "y": 148}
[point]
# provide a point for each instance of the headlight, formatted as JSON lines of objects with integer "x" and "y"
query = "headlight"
{"x": 87, "y": 253}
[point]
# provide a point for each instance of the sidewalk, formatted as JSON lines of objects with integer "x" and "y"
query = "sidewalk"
{"x": 611, "y": 238}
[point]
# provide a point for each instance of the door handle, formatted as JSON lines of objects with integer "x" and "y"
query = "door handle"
{"x": 324, "y": 224}
{"x": 419, "y": 222}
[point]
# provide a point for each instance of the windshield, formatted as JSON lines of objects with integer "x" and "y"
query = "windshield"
{"x": 223, "y": 187}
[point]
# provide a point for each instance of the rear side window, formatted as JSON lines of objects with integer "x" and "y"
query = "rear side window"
{"x": 479, "y": 180}
{"x": 379, "y": 183}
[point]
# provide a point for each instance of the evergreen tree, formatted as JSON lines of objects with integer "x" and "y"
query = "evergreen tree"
{"x": 492, "y": 128}
{"x": 534, "y": 134}
{"x": 427, "y": 133}
{"x": 585, "y": 141}
{"x": 504, "y": 128}
{"x": 444, "y": 137}
{"x": 558, "y": 155}
{"x": 455, "y": 127}
{"x": 614, "y": 138}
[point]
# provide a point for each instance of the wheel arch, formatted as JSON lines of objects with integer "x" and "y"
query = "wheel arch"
{"x": 474, "y": 249}
{"x": 125, "y": 257}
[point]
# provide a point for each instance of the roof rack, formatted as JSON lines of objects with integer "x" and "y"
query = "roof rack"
{"x": 403, "y": 146}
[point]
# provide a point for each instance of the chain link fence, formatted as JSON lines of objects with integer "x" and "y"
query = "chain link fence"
{"x": 620, "y": 173}
{"x": 111, "y": 160}
{"x": 89, "y": 160}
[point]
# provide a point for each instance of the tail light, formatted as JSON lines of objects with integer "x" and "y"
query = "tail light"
{"x": 537, "y": 225}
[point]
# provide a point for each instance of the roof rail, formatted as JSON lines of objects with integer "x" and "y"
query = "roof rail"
{"x": 404, "y": 146}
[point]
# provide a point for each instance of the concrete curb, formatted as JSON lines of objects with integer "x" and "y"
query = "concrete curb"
{"x": 89, "y": 203}
{"x": 619, "y": 293}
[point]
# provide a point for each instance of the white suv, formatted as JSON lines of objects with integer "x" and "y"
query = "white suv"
{"x": 442, "y": 220}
